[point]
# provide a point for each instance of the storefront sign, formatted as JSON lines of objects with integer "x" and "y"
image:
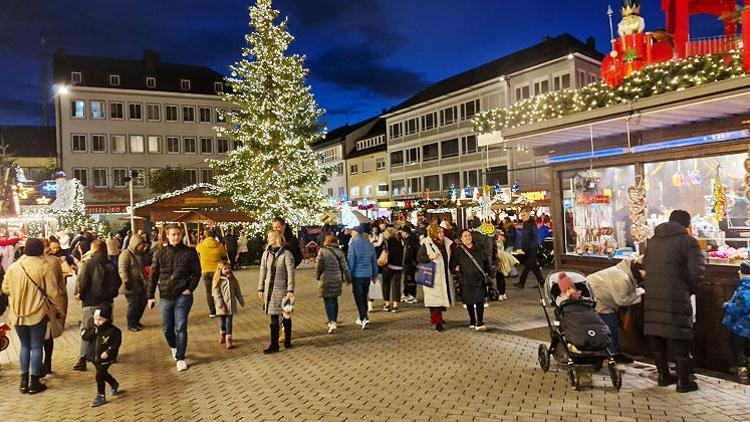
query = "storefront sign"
{"x": 106, "y": 209}
{"x": 535, "y": 196}
{"x": 201, "y": 201}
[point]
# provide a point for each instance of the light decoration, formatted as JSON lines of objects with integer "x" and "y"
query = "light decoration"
{"x": 210, "y": 188}
{"x": 670, "y": 76}
{"x": 69, "y": 208}
{"x": 274, "y": 116}
{"x": 719, "y": 199}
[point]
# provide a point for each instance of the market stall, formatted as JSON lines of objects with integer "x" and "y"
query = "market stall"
{"x": 196, "y": 221}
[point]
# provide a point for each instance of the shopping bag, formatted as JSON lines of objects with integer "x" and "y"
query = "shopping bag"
{"x": 426, "y": 274}
{"x": 376, "y": 289}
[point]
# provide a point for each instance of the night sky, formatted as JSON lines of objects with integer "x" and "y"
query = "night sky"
{"x": 364, "y": 55}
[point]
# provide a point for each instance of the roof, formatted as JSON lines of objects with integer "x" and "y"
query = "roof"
{"x": 543, "y": 52}
{"x": 375, "y": 129}
{"x": 95, "y": 72}
{"x": 214, "y": 217}
{"x": 338, "y": 135}
{"x": 29, "y": 141}
{"x": 203, "y": 186}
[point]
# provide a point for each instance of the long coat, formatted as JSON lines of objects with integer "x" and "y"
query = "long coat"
{"x": 27, "y": 305}
{"x": 442, "y": 294}
{"x": 674, "y": 266}
{"x": 283, "y": 278}
{"x": 130, "y": 266}
{"x": 470, "y": 276}
{"x": 331, "y": 270}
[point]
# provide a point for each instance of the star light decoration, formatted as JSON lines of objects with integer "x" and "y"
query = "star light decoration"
{"x": 274, "y": 114}
{"x": 660, "y": 78}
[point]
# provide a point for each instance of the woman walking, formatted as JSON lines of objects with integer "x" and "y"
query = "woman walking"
{"x": 56, "y": 325}
{"x": 471, "y": 266}
{"x": 331, "y": 270}
{"x": 275, "y": 285}
{"x": 393, "y": 270}
{"x": 34, "y": 299}
{"x": 436, "y": 248}
{"x": 226, "y": 291}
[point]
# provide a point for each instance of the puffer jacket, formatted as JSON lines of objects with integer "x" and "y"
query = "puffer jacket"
{"x": 174, "y": 269}
{"x": 737, "y": 309}
{"x": 331, "y": 271}
{"x": 212, "y": 253}
{"x": 674, "y": 267}
{"x": 27, "y": 305}
{"x": 361, "y": 258}
{"x": 98, "y": 280}
{"x": 131, "y": 266}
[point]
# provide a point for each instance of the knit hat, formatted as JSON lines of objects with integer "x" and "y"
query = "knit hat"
{"x": 680, "y": 216}
{"x": 33, "y": 247}
{"x": 104, "y": 310}
{"x": 566, "y": 283}
{"x": 745, "y": 268}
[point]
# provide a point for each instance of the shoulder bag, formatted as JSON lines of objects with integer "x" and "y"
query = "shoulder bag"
{"x": 426, "y": 273}
{"x": 53, "y": 314}
{"x": 383, "y": 258}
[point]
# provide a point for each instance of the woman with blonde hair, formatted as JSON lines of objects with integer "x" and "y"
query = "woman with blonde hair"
{"x": 393, "y": 270}
{"x": 226, "y": 292}
{"x": 331, "y": 271}
{"x": 436, "y": 248}
{"x": 276, "y": 285}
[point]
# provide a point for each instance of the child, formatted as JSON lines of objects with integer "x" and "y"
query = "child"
{"x": 226, "y": 293}
{"x": 105, "y": 340}
{"x": 568, "y": 289}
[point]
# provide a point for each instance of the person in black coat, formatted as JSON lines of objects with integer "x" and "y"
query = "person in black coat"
{"x": 411, "y": 248}
{"x": 471, "y": 264}
{"x": 104, "y": 345}
{"x": 393, "y": 271}
{"x": 674, "y": 266}
{"x": 530, "y": 246}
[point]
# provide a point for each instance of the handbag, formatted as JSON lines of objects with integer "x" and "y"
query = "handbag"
{"x": 426, "y": 274}
{"x": 383, "y": 258}
{"x": 487, "y": 281}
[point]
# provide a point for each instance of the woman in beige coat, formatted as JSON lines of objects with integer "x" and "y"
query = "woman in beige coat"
{"x": 275, "y": 285}
{"x": 56, "y": 326}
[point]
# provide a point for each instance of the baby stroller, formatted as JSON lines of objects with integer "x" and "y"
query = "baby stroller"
{"x": 579, "y": 337}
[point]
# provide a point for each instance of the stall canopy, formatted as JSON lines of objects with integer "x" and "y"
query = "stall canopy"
{"x": 213, "y": 217}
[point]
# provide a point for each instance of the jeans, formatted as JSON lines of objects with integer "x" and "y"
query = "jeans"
{"x": 136, "y": 307}
{"x": 391, "y": 285}
{"x": 332, "y": 308}
{"x": 613, "y": 322}
{"x": 479, "y": 310}
{"x": 207, "y": 279}
{"x": 174, "y": 314}
{"x": 225, "y": 323}
{"x": 32, "y": 343}
{"x": 360, "y": 289}
{"x": 102, "y": 376}
{"x": 86, "y": 323}
{"x": 740, "y": 347}
{"x": 531, "y": 263}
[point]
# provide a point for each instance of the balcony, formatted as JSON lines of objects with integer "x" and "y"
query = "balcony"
{"x": 719, "y": 44}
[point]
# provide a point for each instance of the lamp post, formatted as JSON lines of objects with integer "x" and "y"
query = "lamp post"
{"x": 133, "y": 174}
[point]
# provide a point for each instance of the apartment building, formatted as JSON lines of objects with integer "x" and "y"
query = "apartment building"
{"x": 332, "y": 151}
{"x": 430, "y": 142}
{"x": 115, "y": 116}
{"x": 367, "y": 171}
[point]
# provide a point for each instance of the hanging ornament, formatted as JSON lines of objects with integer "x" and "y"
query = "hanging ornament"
{"x": 720, "y": 200}
{"x": 637, "y": 211}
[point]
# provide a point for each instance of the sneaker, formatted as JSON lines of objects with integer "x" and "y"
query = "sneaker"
{"x": 503, "y": 297}
{"x": 212, "y": 315}
{"x": 114, "y": 389}
{"x": 386, "y": 308}
{"x": 472, "y": 326}
{"x": 394, "y": 310}
{"x": 486, "y": 304}
{"x": 98, "y": 401}
{"x": 331, "y": 327}
{"x": 364, "y": 324}
{"x": 412, "y": 300}
{"x": 404, "y": 299}
{"x": 481, "y": 327}
{"x": 369, "y": 306}
{"x": 181, "y": 366}
{"x": 139, "y": 325}
{"x": 358, "y": 322}
{"x": 174, "y": 353}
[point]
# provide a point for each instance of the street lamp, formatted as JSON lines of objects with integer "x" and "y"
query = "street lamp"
{"x": 129, "y": 180}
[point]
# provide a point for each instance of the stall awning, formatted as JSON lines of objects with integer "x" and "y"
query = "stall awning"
{"x": 213, "y": 217}
{"x": 711, "y": 101}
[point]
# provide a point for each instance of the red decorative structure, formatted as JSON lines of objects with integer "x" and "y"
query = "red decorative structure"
{"x": 678, "y": 14}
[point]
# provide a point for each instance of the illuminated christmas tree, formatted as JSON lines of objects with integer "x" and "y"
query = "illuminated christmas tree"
{"x": 274, "y": 118}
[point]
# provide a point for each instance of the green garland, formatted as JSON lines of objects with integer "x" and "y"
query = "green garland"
{"x": 660, "y": 78}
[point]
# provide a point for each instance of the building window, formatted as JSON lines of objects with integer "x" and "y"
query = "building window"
{"x": 100, "y": 178}
{"x": 412, "y": 155}
{"x": 450, "y": 179}
{"x": 396, "y": 130}
{"x": 354, "y": 191}
{"x": 397, "y": 158}
{"x": 153, "y": 112}
{"x": 150, "y": 82}
{"x": 522, "y": 92}
{"x": 193, "y": 175}
{"x": 139, "y": 177}
{"x": 469, "y": 109}
{"x": 76, "y": 78}
{"x": 185, "y": 84}
{"x": 207, "y": 146}
{"x": 429, "y": 121}
{"x": 97, "y": 110}
{"x": 114, "y": 80}
{"x": 541, "y": 87}
{"x": 82, "y": 175}
{"x": 415, "y": 185}
{"x": 581, "y": 78}
{"x": 136, "y": 144}
{"x": 366, "y": 166}
{"x": 449, "y": 148}
{"x": 205, "y": 114}
{"x": 171, "y": 113}
{"x": 340, "y": 169}
{"x": 188, "y": 113}
{"x": 135, "y": 111}
{"x": 98, "y": 143}
{"x": 173, "y": 145}
{"x": 430, "y": 152}
{"x": 118, "y": 144}
{"x": 220, "y": 117}
{"x": 448, "y": 116}
{"x": 412, "y": 126}
{"x": 398, "y": 187}
{"x": 207, "y": 175}
{"x": 379, "y": 163}
{"x": 369, "y": 143}
{"x": 78, "y": 109}
{"x": 330, "y": 192}
{"x": 432, "y": 183}
{"x": 342, "y": 191}
{"x": 222, "y": 146}
{"x": 497, "y": 175}
{"x": 471, "y": 178}
{"x": 353, "y": 169}
{"x": 79, "y": 143}
{"x": 469, "y": 144}
{"x": 219, "y": 87}
{"x": 116, "y": 111}
{"x": 154, "y": 144}
{"x": 237, "y": 145}
{"x": 562, "y": 81}
{"x": 382, "y": 189}
{"x": 189, "y": 146}
{"x": 367, "y": 191}
{"x": 118, "y": 178}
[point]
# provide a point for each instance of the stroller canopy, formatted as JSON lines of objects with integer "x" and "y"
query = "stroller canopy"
{"x": 552, "y": 288}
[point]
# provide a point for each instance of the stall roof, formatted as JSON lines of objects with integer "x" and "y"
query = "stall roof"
{"x": 214, "y": 217}
{"x": 708, "y": 102}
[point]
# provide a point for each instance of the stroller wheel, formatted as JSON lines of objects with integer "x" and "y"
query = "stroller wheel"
{"x": 573, "y": 377}
{"x": 615, "y": 375}
{"x": 544, "y": 357}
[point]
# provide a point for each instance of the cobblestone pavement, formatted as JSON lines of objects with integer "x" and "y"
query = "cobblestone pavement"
{"x": 399, "y": 369}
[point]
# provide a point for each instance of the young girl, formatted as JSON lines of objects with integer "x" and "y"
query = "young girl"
{"x": 226, "y": 292}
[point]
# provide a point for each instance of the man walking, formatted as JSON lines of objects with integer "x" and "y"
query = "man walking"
{"x": 363, "y": 265}
{"x": 177, "y": 270}
{"x": 212, "y": 253}
{"x": 131, "y": 266}
{"x": 674, "y": 268}
{"x": 530, "y": 246}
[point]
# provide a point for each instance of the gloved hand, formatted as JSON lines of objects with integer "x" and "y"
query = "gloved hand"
{"x": 640, "y": 291}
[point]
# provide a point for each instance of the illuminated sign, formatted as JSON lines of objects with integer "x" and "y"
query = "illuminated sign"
{"x": 534, "y": 196}
{"x": 695, "y": 140}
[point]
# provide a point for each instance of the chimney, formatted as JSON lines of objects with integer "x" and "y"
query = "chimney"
{"x": 591, "y": 42}
{"x": 151, "y": 59}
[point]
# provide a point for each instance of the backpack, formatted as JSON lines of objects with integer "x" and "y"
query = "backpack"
{"x": 112, "y": 281}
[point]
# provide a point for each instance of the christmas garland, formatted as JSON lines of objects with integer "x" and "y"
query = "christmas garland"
{"x": 186, "y": 189}
{"x": 660, "y": 78}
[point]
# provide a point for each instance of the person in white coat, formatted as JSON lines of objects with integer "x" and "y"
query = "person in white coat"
{"x": 436, "y": 247}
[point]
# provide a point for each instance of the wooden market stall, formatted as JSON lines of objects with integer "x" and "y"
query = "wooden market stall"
{"x": 212, "y": 219}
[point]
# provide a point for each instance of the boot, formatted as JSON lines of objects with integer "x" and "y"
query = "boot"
{"x": 24, "y": 383}
{"x": 81, "y": 365}
{"x": 228, "y": 341}
{"x": 223, "y": 338}
{"x": 685, "y": 383}
{"x": 662, "y": 366}
{"x": 274, "y": 347}
{"x": 287, "y": 323}
{"x": 743, "y": 377}
{"x": 35, "y": 386}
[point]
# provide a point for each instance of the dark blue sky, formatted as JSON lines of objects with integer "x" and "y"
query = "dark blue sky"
{"x": 363, "y": 55}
